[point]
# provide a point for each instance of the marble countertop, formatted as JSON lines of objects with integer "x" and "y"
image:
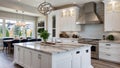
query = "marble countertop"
{"x": 107, "y": 41}
{"x": 52, "y": 49}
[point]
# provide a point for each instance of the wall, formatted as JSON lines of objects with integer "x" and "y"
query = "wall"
{"x": 17, "y": 6}
{"x": 14, "y": 16}
{"x": 94, "y": 31}
{"x": 8, "y": 15}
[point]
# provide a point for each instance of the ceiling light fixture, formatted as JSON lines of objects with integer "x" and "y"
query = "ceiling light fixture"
{"x": 20, "y": 23}
{"x": 45, "y": 8}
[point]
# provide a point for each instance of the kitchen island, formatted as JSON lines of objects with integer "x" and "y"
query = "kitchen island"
{"x": 59, "y": 55}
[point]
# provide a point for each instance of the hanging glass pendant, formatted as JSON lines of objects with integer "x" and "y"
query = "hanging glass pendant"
{"x": 45, "y": 8}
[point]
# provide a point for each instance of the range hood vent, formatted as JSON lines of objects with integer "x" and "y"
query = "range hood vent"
{"x": 89, "y": 14}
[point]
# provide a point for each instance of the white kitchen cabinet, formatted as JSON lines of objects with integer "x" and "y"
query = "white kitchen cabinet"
{"x": 36, "y": 60}
{"x": 76, "y": 59}
{"x": 109, "y": 51}
{"x": 27, "y": 58}
{"x": 68, "y": 22}
{"x": 85, "y": 60}
{"x": 112, "y": 16}
{"x": 16, "y": 54}
{"x": 19, "y": 55}
{"x": 55, "y": 14}
{"x": 64, "y": 60}
{"x": 40, "y": 60}
{"x": 63, "y": 23}
{"x": 112, "y": 22}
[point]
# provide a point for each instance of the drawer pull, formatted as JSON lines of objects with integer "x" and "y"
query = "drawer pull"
{"x": 108, "y": 45}
{"x": 108, "y": 54}
{"x": 107, "y": 48}
{"x": 77, "y": 52}
{"x": 39, "y": 56}
{"x": 87, "y": 51}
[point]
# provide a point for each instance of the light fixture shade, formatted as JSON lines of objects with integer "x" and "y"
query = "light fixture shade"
{"x": 45, "y": 8}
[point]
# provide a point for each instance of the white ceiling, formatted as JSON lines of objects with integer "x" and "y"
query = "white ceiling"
{"x": 35, "y": 3}
{"x": 31, "y": 5}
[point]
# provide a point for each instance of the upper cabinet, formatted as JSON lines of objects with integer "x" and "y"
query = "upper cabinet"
{"x": 68, "y": 17}
{"x": 112, "y": 16}
{"x": 54, "y": 23}
{"x": 63, "y": 20}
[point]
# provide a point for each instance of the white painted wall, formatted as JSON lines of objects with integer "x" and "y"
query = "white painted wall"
{"x": 94, "y": 31}
{"x": 8, "y": 15}
{"x": 16, "y": 16}
{"x": 17, "y": 6}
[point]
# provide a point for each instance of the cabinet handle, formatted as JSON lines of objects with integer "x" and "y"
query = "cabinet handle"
{"x": 107, "y": 48}
{"x": 108, "y": 54}
{"x": 39, "y": 56}
{"x": 108, "y": 45}
{"x": 18, "y": 49}
{"x": 77, "y": 52}
{"x": 87, "y": 51}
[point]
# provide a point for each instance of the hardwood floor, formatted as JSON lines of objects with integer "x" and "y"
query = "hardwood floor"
{"x": 6, "y": 61}
{"x": 104, "y": 64}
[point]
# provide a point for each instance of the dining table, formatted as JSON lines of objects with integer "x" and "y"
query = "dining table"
{"x": 8, "y": 42}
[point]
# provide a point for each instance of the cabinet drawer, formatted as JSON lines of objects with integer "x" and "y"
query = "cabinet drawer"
{"x": 110, "y": 57}
{"x": 109, "y": 45}
{"x": 114, "y": 50}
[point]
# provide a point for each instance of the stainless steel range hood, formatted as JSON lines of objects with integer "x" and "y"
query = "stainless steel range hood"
{"x": 89, "y": 15}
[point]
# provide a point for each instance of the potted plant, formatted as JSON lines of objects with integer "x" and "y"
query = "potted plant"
{"x": 110, "y": 38}
{"x": 44, "y": 35}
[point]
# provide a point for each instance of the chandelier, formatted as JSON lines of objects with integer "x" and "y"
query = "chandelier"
{"x": 45, "y": 8}
{"x": 20, "y": 23}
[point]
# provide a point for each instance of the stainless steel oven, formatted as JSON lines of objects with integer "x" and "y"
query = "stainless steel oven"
{"x": 94, "y": 51}
{"x": 94, "y": 47}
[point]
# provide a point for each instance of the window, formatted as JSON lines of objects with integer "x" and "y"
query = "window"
{"x": 29, "y": 29}
{"x": 14, "y": 30}
{"x": 54, "y": 26}
{"x": 40, "y": 28}
{"x": 9, "y": 28}
{"x": 1, "y": 28}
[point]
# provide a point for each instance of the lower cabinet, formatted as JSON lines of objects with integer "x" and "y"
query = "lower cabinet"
{"x": 86, "y": 59}
{"x": 77, "y": 55}
{"x": 81, "y": 58}
{"x": 64, "y": 60}
{"x": 19, "y": 55}
{"x": 28, "y": 58}
{"x": 109, "y": 51}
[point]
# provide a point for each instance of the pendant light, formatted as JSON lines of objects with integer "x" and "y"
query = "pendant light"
{"x": 45, "y": 8}
{"x": 20, "y": 23}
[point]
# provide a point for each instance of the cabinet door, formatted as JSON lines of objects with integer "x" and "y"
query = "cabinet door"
{"x": 109, "y": 22}
{"x": 116, "y": 21}
{"x": 36, "y": 60}
{"x": 16, "y": 54}
{"x": 76, "y": 59}
{"x": 62, "y": 61}
{"x": 40, "y": 60}
{"x": 28, "y": 57}
{"x": 21, "y": 56}
{"x": 86, "y": 58}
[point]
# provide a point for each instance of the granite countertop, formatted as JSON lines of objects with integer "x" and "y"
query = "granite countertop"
{"x": 52, "y": 49}
{"x": 107, "y": 41}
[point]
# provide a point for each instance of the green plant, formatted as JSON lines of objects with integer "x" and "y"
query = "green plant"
{"x": 110, "y": 37}
{"x": 40, "y": 30}
{"x": 7, "y": 33}
{"x": 44, "y": 35}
